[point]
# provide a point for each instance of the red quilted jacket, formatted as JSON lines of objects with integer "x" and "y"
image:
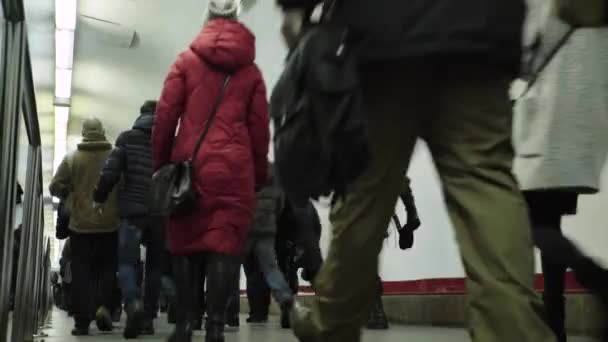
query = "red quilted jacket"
{"x": 233, "y": 157}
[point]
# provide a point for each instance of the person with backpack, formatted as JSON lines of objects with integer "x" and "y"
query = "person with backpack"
{"x": 437, "y": 70}
{"x": 261, "y": 243}
{"x": 131, "y": 162}
{"x": 217, "y": 94}
{"x": 93, "y": 238}
{"x": 561, "y": 144}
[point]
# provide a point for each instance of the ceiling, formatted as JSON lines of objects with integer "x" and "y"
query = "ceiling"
{"x": 112, "y": 81}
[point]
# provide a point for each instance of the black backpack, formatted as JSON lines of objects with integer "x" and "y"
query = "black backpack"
{"x": 320, "y": 137}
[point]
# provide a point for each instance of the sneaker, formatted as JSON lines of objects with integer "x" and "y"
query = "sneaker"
{"x": 134, "y": 320}
{"x": 103, "y": 318}
{"x": 80, "y": 331}
{"x": 257, "y": 320}
{"x": 147, "y": 327}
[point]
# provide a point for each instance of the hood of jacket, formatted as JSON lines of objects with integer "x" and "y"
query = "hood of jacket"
{"x": 144, "y": 122}
{"x": 94, "y": 145}
{"x": 225, "y": 43}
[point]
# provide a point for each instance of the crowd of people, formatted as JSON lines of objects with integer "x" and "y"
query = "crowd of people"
{"x": 439, "y": 73}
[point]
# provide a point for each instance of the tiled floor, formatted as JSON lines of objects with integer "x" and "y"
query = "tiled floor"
{"x": 268, "y": 333}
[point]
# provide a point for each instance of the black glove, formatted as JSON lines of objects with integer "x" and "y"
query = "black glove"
{"x": 406, "y": 237}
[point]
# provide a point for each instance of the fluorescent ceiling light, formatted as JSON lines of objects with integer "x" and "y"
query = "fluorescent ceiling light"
{"x": 64, "y": 49}
{"x": 62, "y": 115}
{"x": 65, "y": 14}
{"x": 63, "y": 83}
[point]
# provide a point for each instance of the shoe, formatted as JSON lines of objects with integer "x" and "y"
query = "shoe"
{"x": 285, "y": 322}
{"x": 377, "y": 317}
{"x": 233, "y": 324}
{"x": 103, "y": 319}
{"x": 80, "y": 332}
{"x": 147, "y": 327}
{"x": 171, "y": 319}
{"x": 197, "y": 325}
{"x": 257, "y": 320}
{"x": 301, "y": 323}
{"x": 116, "y": 315}
{"x": 215, "y": 333}
{"x": 134, "y": 320}
{"x": 185, "y": 336}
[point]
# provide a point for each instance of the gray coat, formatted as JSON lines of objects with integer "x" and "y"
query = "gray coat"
{"x": 267, "y": 207}
{"x": 561, "y": 126}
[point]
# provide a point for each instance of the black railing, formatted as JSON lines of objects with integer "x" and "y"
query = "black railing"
{"x": 31, "y": 298}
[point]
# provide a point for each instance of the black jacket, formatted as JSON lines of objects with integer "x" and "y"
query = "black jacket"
{"x": 131, "y": 161}
{"x": 488, "y": 30}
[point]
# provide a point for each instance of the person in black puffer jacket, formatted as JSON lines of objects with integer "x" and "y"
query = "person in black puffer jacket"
{"x": 438, "y": 70}
{"x": 131, "y": 161}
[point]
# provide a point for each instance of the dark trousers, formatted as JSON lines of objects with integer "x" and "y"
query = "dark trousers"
{"x": 558, "y": 254}
{"x": 258, "y": 292}
{"x": 133, "y": 233}
{"x": 93, "y": 274}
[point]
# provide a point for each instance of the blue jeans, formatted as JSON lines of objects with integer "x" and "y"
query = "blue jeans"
{"x": 263, "y": 247}
{"x": 133, "y": 233}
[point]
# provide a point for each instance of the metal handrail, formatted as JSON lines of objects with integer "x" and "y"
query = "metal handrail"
{"x": 32, "y": 297}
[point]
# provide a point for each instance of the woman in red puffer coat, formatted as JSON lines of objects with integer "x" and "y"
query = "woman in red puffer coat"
{"x": 231, "y": 163}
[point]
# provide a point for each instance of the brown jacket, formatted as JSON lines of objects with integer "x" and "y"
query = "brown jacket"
{"x": 75, "y": 181}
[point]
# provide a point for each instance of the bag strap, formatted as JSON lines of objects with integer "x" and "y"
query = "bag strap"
{"x": 214, "y": 109}
{"x": 534, "y": 75}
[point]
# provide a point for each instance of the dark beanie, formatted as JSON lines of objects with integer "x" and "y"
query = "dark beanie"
{"x": 149, "y": 107}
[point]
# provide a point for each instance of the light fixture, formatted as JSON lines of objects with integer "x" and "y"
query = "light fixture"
{"x": 64, "y": 49}
{"x": 65, "y": 26}
{"x": 63, "y": 83}
{"x": 65, "y": 14}
{"x": 62, "y": 115}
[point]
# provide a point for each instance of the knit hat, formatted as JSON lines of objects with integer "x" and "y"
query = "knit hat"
{"x": 224, "y": 8}
{"x": 92, "y": 130}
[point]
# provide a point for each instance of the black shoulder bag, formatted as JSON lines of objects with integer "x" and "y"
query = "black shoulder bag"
{"x": 172, "y": 191}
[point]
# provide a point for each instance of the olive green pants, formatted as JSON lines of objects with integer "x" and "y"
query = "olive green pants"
{"x": 464, "y": 115}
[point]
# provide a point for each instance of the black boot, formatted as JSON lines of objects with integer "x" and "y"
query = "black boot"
{"x": 134, "y": 319}
{"x": 186, "y": 281}
{"x": 556, "y": 315}
{"x": 215, "y": 332}
{"x": 377, "y": 317}
{"x": 221, "y": 270}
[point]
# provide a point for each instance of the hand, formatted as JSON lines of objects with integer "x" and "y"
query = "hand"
{"x": 406, "y": 238}
{"x": 293, "y": 22}
{"x": 98, "y": 207}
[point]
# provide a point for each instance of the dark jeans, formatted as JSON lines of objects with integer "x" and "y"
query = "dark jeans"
{"x": 93, "y": 274}
{"x": 258, "y": 292}
{"x": 133, "y": 233}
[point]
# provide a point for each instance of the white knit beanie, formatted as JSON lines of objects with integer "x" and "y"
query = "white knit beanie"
{"x": 224, "y": 8}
